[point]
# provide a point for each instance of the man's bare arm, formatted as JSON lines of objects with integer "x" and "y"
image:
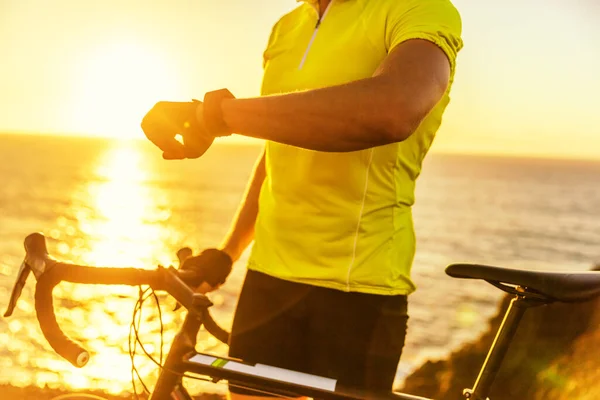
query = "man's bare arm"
{"x": 241, "y": 232}
{"x": 385, "y": 108}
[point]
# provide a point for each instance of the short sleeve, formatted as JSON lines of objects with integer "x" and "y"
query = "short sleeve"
{"x": 437, "y": 21}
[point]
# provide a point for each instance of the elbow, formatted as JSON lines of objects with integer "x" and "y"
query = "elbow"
{"x": 399, "y": 127}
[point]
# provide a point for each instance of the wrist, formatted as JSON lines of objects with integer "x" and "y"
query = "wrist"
{"x": 212, "y": 112}
{"x": 231, "y": 250}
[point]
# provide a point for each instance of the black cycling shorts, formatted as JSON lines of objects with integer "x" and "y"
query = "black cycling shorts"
{"x": 355, "y": 338}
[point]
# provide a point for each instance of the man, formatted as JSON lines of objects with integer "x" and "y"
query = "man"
{"x": 353, "y": 93}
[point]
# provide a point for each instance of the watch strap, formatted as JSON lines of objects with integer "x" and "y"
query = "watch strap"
{"x": 213, "y": 113}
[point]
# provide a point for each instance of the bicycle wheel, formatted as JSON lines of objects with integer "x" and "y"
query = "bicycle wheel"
{"x": 78, "y": 396}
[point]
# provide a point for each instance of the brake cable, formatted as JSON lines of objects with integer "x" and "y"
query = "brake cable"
{"x": 135, "y": 330}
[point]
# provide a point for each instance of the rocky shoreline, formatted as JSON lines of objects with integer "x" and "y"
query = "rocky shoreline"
{"x": 555, "y": 355}
{"x": 36, "y": 393}
{"x": 8, "y": 392}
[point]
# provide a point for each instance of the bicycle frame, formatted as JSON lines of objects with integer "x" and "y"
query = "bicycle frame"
{"x": 530, "y": 288}
{"x": 183, "y": 358}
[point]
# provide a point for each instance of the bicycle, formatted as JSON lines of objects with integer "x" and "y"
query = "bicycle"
{"x": 530, "y": 289}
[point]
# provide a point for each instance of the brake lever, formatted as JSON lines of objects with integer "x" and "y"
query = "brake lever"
{"x": 24, "y": 272}
{"x": 36, "y": 260}
{"x": 182, "y": 255}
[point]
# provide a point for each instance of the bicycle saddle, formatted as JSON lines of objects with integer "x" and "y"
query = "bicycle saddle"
{"x": 555, "y": 286}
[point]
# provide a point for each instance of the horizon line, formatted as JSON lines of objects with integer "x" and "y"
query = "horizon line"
{"x": 247, "y": 141}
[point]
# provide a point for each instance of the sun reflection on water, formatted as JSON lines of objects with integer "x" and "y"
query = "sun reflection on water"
{"x": 122, "y": 224}
{"x": 121, "y": 228}
{"x": 116, "y": 212}
{"x": 117, "y": 219}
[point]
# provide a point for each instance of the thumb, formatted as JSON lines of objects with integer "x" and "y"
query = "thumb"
{"x": 205, "y": 287}
{"x": 174, "y": 155}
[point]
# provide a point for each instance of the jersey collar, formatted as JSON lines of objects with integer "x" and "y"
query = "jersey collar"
{"x": 315, "y": 2}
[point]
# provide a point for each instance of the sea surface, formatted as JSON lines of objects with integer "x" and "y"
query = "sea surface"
{"x": 117, "y": 203}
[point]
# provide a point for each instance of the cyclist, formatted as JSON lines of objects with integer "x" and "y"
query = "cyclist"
{"x": 353, "y": 94}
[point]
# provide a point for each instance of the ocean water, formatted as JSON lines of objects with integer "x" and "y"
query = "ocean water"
{"x": 116, "y": 203}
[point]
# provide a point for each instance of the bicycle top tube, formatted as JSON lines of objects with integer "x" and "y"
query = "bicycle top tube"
{"x": 280, "y": 381}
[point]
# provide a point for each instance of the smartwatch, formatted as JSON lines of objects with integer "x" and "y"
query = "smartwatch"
{"x": 213, "y": 113}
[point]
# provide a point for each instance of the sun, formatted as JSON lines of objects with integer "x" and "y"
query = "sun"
{"x": 117, "y": 84}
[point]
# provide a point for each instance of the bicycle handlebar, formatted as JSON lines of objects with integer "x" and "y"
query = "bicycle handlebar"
{"x": 49, "y": 272}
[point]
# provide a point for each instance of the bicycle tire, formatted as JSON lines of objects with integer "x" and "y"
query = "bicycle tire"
{"x": 78, "y": 396}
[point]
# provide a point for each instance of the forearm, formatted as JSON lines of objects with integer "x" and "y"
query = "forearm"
{"x": 385, "y": 108}
{"x": 242, "y": 229}
{"x": 349, "y": 117}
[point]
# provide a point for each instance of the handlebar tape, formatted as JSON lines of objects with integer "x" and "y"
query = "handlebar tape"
{"x": 213, "y": 328}
{"x": 65, "y": 347}
{"x": 69, "y": 349}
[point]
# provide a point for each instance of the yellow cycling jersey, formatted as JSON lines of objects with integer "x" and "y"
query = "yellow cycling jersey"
{"x": 343, "y": 220}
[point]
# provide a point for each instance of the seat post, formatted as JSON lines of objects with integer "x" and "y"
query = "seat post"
{"x": 518, "y": 305}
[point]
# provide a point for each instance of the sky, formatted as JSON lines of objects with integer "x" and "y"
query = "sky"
{"x": 527, "y": 80}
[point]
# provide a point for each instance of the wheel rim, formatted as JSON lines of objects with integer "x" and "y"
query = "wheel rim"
{"x": 78, "y": 396}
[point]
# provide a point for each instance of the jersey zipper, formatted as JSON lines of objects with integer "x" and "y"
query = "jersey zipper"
{"x": 312, "y": 38}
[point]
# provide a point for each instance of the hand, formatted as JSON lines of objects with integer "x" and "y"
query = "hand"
{"x": 168, "y": 119}
{"x": 213, "y": 267}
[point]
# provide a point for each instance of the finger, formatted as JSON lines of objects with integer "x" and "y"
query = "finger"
{"x": 159, "y": 126}
{"x": 183, "y": 254}
{"x": 196, "y": 144}
{"x": 195, "y": 150}
{"x": 173, "y": 155}
{"x": 170, "y": 145}
{"x": 162, "y": 140}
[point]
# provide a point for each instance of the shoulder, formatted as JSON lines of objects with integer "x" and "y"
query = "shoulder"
{"x": 441, "y": 10}
{"x": 414, "y": 9}
{"x": 289, "y": 20}
{"x": 437, "y": 21}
